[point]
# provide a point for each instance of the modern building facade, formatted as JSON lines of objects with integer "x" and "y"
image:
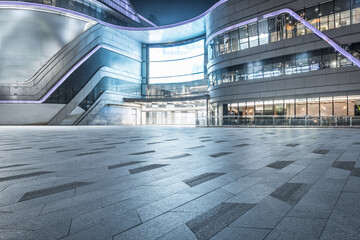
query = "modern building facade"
{"x": 276, "y": 62}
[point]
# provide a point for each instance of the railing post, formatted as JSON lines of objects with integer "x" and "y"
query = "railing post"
{"x": 306, "y": 121}
{"x": 335, "y": 119}
{"x": 273, "y": 121}
{"x": 350, "y": 121}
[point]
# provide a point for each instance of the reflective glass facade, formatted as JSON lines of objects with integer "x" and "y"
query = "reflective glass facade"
{"x": 172, "y": 64}
{"x": 285, "y": 65}
{"x": 315, "y": 106}
{"x": 324, "y": 16}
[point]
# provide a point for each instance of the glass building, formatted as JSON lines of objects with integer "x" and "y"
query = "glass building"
{"x": 239, "y": 63}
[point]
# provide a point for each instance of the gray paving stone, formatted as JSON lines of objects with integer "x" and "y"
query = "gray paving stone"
{"x": 125, "y": 164}
{"x": 208, "y": 224}
{"x": 267, "y": 214}
{"x": 201, "y": 178}
{"x": 25, "y": 175}
{"x": 231, "y": 233}
{"x": 291, "y": 192}
{"x": 146, "y": 168}
{"x": 298, "y": 229}
{"x": 220, "y": 154}
{"x": 279, "y": 164}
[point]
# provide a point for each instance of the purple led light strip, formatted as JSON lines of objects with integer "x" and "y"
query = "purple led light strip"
{"x": 300, "y": 19}
{"x": 62, "y": 80}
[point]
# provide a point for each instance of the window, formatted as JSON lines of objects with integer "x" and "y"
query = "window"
{"x": 289, "y": 107}
{"x": 302, "y": 62}
{"x": 340, "y": 106}
{"x": 300, "y": 28}
{"x": 314, "y": 60}
{"x": 312, "y": 16}
{"x": 326, "y": 14}
{"x": 227, "y": 43}
{"x": 290, "y": 66}
{"x": 278, "y": 66}
{"x": 253, "y": 35}
{"x": 268, "y": 108}
{"x": 313, "y": 106}
{"x": 278, "y": 107}
{"x": 180, "y": 63}
{"x": 326, "y": 106}
{"x": 263, "y": 32}
{"x": 234, "y": 40}
{"x": 355, "y": 11}
{"x": 268, "y": 68}
{"x": 220, "y": 43}
{"x": 272, "y": 30}
{"x": 301, "y": 107}
{"x": 342, "y": 13}
{"x": 290, "y": 26}
{"x": 259, "y": 108}
{"x": 244, "y": 38}
{"x": 328, "y": 56}
{"x": 250, "y": 108}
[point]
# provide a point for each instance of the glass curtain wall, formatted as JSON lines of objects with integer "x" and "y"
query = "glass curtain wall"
{"x": 315, "y": 107}
{"x": 289, "y": 64}
{"x": 324, "y": 16}
{"x": 181, "y": 63}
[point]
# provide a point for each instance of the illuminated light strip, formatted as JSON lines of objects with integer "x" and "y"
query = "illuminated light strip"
{"x": 300, "y": 19}
{"x": 63, "y": 79}
{"x": 147, "y": 20}
{"x": 5, "y": 4}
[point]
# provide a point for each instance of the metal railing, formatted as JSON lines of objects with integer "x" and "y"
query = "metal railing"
{"x": 278, "y": 121}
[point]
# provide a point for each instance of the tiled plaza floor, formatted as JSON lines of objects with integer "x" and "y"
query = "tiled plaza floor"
{"x": 179, "y": 183}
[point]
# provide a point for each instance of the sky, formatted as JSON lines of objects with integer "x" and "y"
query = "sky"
{"x": 164, "y": 12}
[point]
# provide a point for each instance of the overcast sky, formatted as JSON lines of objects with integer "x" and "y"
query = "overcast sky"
{"x": 171, "y": 11}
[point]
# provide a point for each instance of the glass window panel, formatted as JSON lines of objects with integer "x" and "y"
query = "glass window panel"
{"x": 278, "y": 107}
{"x": 268, "y": 108}
{"x": 280, "y": 26}
{"x": 250, "y": 108}
{"x": 314, "y": 60}
{"x": 343, "y": 61}
{"x": 258, "y": 69}
{"x": 342, "y": 13}
{"x": 355, "y": 11}
{"x": 326, "y": 108}
{"x": 302, "y": 62}
{"x": 290, "y": 26}
{"x": 354, "y": 105}
{"x": 220, "y": 43}
{"x": 268, "y": 68}
{"x": 300, "y": 107}
{"x": 300, "y": 28}
{"x": 227, "y": 43}
{"x": 289, "y": 64}
{"x": 312, "y": 16}
{"x": 313, "y": 106}
{"x": 253, "y": 35}
{"x": 242, "y": 109}
{"x": 234, "y": 109}
{"x": 250, "y": 71}
{"x": 240, "y": 73}
{"x": 340, "y": 106}
{"x": 272, "y": 30}
{"x": 289, "y": 107}
{"x": 328, "y": 58}
{"x": 235, "y": 40}
{"x": 180, "y": 63}
{"x": 259, "y": 108}
{"x": 244, "y": 37}
{"x": 263, "y": 32}
{"x": 327, "y": 16}
{"x": 278, "y": 66}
